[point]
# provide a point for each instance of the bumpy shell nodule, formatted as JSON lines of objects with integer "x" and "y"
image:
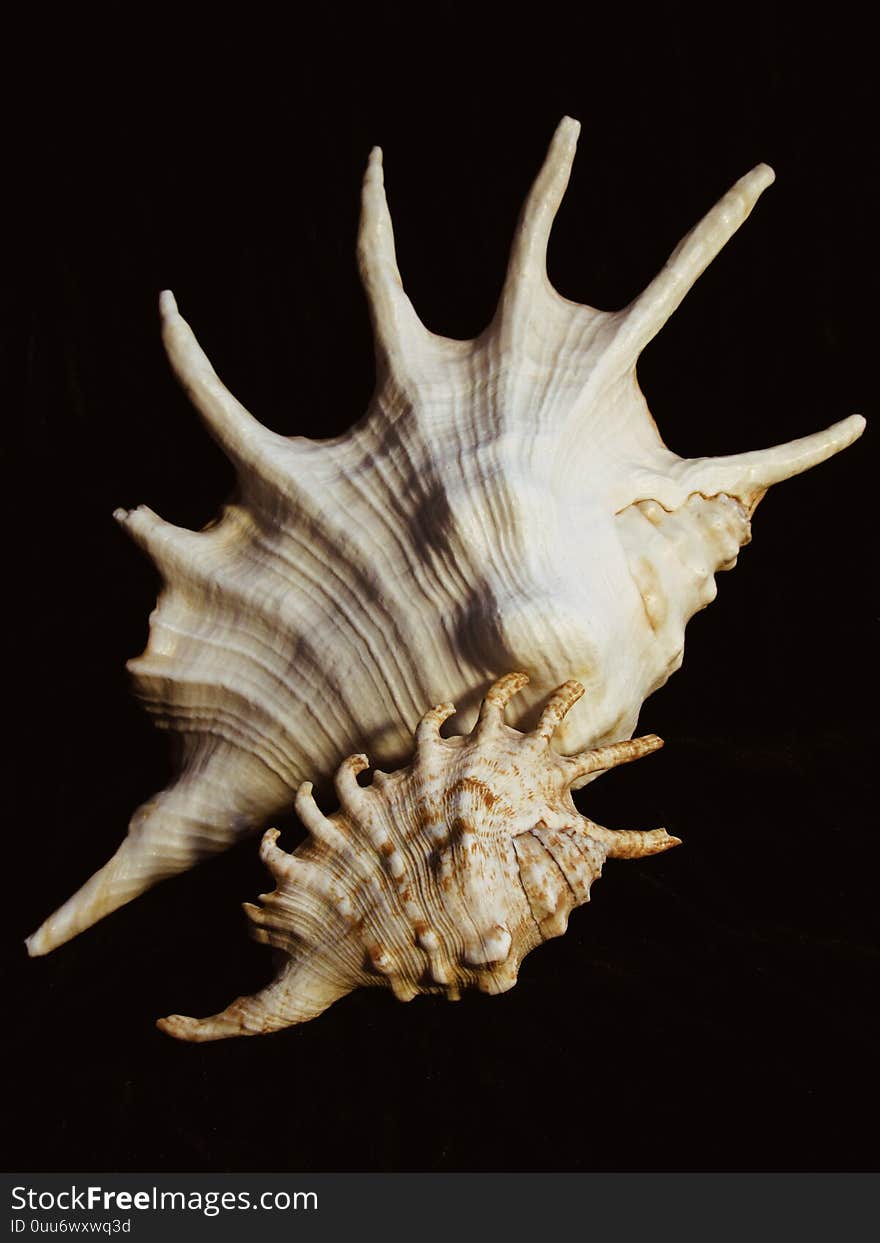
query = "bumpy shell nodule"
{"x": 435, "y": 878}
{"x": 506, "y": 503}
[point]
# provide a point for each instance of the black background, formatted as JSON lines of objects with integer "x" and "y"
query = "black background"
{"x": 714, "y": 1008}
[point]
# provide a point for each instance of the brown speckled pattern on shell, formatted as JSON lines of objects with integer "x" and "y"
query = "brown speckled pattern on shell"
{"x": 436, "y": 878}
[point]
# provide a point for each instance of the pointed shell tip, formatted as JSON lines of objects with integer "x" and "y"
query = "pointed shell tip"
{"x": 179, "y": 1026}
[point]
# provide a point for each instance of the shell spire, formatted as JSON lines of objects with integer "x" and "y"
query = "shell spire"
{"x": 441, "y": 878}
{"x": 505, "y": 503}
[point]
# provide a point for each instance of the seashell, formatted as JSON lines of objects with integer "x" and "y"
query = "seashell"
{"x": 506, "y": 503}
{"x": 438, "y": 877}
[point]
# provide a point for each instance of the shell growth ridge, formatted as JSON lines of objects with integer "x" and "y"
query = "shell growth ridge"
{"x": 505, "y": 503}
{"x": 439, "y": 877}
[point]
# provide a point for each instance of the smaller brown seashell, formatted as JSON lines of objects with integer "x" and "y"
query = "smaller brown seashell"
{"x": 437, "y": 877}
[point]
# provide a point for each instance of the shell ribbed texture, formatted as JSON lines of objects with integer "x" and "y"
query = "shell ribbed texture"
{"x": 438, "y": 877}
{"x": 505, "y": 503}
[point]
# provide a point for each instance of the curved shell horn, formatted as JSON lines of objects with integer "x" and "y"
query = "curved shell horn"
{"x": 747, "y": 476}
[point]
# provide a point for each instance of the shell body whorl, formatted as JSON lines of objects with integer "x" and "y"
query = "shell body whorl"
{"x": 435, "y": 878}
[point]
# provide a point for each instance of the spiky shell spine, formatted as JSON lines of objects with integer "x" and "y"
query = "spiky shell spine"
{"x": 435, "y": 878}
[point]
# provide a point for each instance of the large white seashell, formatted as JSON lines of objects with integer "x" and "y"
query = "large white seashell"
{"x": 505, "y": 503}
{"x": 439, "y": 877}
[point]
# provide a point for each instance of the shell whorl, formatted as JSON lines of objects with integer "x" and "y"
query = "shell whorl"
{"x": 435, "y": 878}
{"x": 506, "y": 502}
